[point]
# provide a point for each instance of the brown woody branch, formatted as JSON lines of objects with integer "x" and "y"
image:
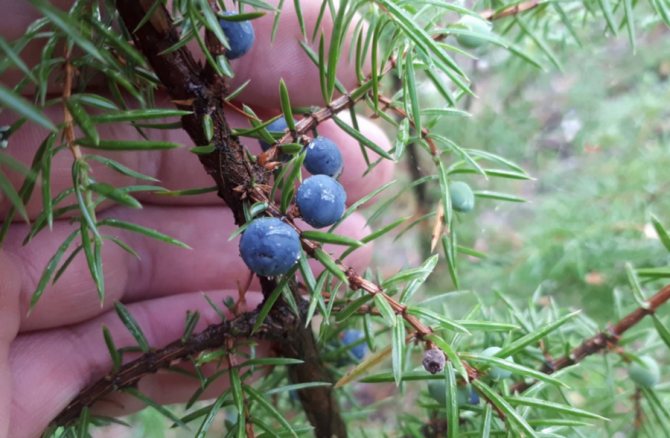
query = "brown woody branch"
{"x": 129, "y": 374}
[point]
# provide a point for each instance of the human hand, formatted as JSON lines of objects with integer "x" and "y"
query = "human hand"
{"x": 48, "y": 357}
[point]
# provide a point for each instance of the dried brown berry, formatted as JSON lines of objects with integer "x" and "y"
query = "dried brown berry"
{"x": 434, "y": 360}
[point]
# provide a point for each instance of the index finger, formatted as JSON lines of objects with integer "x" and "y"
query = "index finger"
{"x": 268, "y": 61}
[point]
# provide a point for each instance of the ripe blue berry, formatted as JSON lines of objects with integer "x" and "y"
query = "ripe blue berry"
{"x": 323, "y": 158}
{"x": 276, "y": 127}
{"x": 473, "y": 24}
{"x": 321, "y": 200}
{"x": 462, "y": 198}
{"x": 269, "y": 247}
{"x": 647, "y": 373}
{"x": 497, "y": 373}
{"x": 349, "y": 337}
{"x": 240, "y": 36}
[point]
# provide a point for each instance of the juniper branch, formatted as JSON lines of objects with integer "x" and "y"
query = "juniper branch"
{"x": 197, "y": 88}
{"x": 605, "y": 340}
{"x": 214, "y": 336}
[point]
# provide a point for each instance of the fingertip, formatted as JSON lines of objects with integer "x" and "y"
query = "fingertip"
{"x": 354, "y": 226}
{"x": 356, "y": 176}
{"x": 283, "y": 57}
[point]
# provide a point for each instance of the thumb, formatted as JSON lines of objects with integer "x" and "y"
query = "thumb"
{"x": 9, "y": 327}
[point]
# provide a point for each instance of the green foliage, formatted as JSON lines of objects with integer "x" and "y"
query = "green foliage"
{"x": 585, "y": 232}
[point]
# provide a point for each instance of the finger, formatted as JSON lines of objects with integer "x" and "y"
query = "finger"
{"x": 178, "y": 169}
{"x": 50, "y": 368}
{"x": 213, "y": 263}
{"x": 267, "y": 62}
{"x": 284, "y": 58}
{"x": 9, "y": 327}
{"x": 354, "y": 178}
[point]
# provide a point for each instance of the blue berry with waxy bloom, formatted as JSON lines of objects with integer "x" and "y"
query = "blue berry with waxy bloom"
{"x": 351, "y": 336}
{"x": 276, "y": 127}
{"x": 323, "y": 157}
{"x": 321, "y": 200}
{"x": 462, "y": 197}
{"x": 497, "y": 373}
{"x": 269, "y": 247}
{"x": 645, "y": 373}
{"x": 240, "y": 36}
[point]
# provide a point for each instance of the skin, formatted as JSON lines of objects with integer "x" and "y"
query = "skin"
{"x": 47, "y": 357}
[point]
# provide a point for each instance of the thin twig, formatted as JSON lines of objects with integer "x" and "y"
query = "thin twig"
{"x": 604, "y": 340}
{"x": 68, "y": 130}
{"x": 491, "y": 14}
{"x": 129, "y": 374}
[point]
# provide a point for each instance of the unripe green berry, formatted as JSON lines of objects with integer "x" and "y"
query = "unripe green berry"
{"x": 462, "y": 197}
{"x": 473, "y": 24}
{"x": 646, "y": 373}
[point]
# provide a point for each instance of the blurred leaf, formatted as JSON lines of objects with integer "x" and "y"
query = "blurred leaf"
{"x": 486, "y": 423}
{"x": 111, "y": 347}
{"x": 132, "y": 115}
{"x": 451, "y": 401}
{"x": 535, "y": 336}
{"x": 69, "y": 26}
{"x": 50, "y": 268}
{"x": 556, "y": 408}
{"x": 487, "y": 326}
{"x": 330, "y": 265}
{"x": 498, "y": 196}
{"x": 127, "y": 145}
{"x": 385, "y": 310}
{"x": 17, "y": 104}
{"x": 121, "y": 168}
{"x": 110, "y": 192}
{"x": 513, "y": 367}
{"x": 139, "y": 229}
{"x": 661, "y": 232}
{"x": 157, "y": 406}
{"x": 7, "y": 188}
{"x": 661, "y": 329}
{"x": 270, "y": 409}
{"x": 361, "y": 138}
{"x": 634, "y": 282}
{"x": 368, "y": 363}
{"x": 630, "y": 22}
{"x": 653, "y": 272}
{"x": 132, "y": 326}
{"x": 92, "y": 251}
{"x": 398, "y": 344}
{"x": 238, "y": 398}
{"x": 296, "y": 387}
{"x": 443, "y": 321}
{"x": 15, "y": 58}
{"x": 214, "y": 409}
{"x": 192, "y": 319}
{"x": 285, "y": 102}
{"x": 512, "y": 415}
{"x": 269, "y": 302}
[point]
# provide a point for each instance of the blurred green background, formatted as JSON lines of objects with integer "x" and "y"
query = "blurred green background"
{"x": 596, "y": 138}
